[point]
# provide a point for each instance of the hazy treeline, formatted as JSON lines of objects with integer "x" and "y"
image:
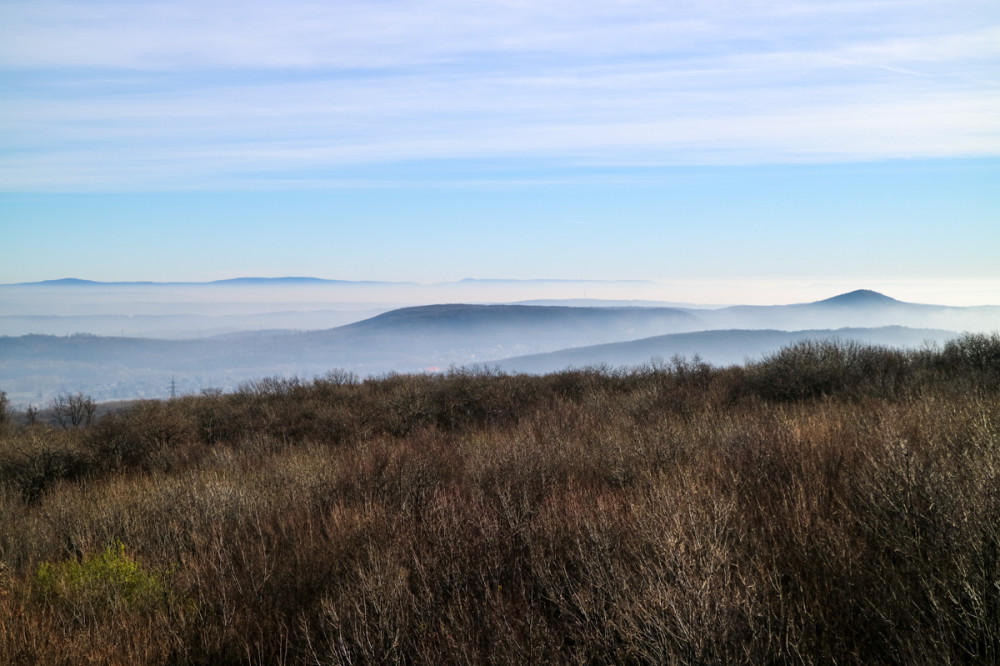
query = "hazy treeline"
{"x": 832, "y": 503}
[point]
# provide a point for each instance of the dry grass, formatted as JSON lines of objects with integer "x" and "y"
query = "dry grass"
{"x": 831, "y": 504}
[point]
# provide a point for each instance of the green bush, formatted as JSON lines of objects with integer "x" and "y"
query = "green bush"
{"x": 102, "y": 581}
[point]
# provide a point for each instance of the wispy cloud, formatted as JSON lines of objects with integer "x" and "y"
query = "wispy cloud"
{"x": 181, "y": 94}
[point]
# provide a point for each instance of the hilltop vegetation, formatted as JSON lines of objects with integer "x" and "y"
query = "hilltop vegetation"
{"x": 832, "y": 503}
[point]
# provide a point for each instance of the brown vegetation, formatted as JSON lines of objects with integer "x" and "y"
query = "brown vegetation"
{"x": 834, "y": 503}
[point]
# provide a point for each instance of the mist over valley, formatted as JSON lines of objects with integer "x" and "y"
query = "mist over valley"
{"x": 120, "y": 341}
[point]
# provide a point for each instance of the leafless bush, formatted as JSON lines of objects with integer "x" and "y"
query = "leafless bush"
{"x": 5, "y": 411}
{"x": 74, "y": 410}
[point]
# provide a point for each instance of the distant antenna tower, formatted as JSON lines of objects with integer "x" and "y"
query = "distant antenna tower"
{"x": 173, "y": 388}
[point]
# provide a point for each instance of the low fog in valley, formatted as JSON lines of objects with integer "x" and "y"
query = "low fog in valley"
{"x": 121, "y": 341}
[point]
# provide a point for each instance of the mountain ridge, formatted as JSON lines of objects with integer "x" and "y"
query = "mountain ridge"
{"x": 78, "y": 282}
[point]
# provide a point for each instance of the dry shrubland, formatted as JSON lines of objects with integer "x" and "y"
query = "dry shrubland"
{"x": 833, "y": 503}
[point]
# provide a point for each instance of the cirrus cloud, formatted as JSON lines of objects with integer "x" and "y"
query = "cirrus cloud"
{"x": 110, "y": 94}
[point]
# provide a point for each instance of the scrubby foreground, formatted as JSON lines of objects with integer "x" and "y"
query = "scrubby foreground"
{"x": 834, "y": 503}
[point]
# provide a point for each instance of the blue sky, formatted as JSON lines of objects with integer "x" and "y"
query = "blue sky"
{"x": 775, "y": 144}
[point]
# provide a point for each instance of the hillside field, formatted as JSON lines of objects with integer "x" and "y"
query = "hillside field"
{"x": 832, "y": 503}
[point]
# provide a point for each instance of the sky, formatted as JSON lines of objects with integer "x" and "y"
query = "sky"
{"x": 727, "y": 150}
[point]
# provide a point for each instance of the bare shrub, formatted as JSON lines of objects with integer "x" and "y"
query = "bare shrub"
{"x": 74, "y": 410}
{"x": 811, "y": 369}
{"x": 5, "y": 411}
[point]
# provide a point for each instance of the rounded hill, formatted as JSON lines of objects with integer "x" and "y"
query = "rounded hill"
{"x": 862, "y": 297}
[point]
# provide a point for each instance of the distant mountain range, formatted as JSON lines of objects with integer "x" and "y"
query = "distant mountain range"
{"x": 518, "y": 338}
{"x": 250, "y": 281}
{"x": 258, "y": 281}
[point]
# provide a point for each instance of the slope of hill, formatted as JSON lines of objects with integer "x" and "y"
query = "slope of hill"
{"x": 720, "y": 347}
{"x": 538, "y": 326}
{"x": 862, "y": 308}
{"x": 828, "y": 505}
